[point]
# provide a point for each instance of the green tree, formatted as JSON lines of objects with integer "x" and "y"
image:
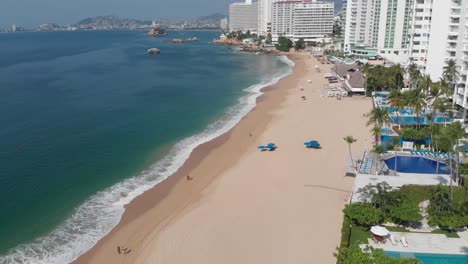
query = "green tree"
{"x": 378, "y": 116}
{"x": 425, "y": 83}
{"x": 451, "y": 73}
{"x": 380, "y": 195}
{"x": 414, "y": 74}
{"x": 300, "y": 44}
{"x": 364, "y": 214}
{"x": 350, "y": 140}
{"x": 450, "y": 221}
{"x": 376, "y": 132}
{"x": 284, "y": 44}
{"x": 396, "y": 100}
{"x": 268, "y": 39}
{"x": 398, "y": 74}
{"x": 405, "y": 212}
{"x": 416, "y": 99}
{"x": 456, "y": 132}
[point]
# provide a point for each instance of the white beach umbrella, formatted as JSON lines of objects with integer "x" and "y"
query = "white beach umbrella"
{"x": 379, "y": 231}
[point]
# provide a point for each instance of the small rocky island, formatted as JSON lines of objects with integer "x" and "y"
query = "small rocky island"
{"x": 154, "y": 51}
{"x": 156, "y": 31}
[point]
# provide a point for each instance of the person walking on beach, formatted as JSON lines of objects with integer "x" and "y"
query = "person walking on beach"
{"x": 189, "y": 178}
{"x": 119, "y": 250}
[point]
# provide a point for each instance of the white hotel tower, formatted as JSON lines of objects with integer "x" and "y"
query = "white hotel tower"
{"x": 243, "y": 16}
{"x": 264, "y": 16}
{"x": 295, "y": 19}
{"x": 425, "y": 32}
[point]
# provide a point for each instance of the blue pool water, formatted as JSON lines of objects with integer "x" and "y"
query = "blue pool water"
{"x": 408, "y": 164}
{"x": 431, "y": 258}
{"x": 413, "y": 120}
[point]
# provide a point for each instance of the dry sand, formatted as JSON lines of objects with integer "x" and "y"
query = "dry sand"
{"x": 247, "y": 206}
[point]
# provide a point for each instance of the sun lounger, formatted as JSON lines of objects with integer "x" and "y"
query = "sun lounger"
{"x": 393, "y": 240}
{"x": 403, "y": 242}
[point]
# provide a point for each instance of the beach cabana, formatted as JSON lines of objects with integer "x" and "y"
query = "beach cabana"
{"x": 379, "y": 233}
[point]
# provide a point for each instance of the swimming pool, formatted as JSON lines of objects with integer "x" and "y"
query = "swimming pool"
{"x": 408, "y": 164}
{"x": 414, "y": 120}
{"x": 431, "y": 258}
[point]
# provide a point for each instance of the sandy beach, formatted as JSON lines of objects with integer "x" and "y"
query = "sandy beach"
{"x": 248, "y": 206}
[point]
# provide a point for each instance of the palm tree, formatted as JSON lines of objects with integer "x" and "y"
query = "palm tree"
{"x": 376, "y": 132}
{"x": 398, "y": 73}
{"x": 414, "y": 74}
{"x": 350, "y": 140}
{"x": 425, "y": 83}
{"x": 395, "y": 99}
{"x": 396, "y": 145}
{"x": 451, "y": 74}
{"x": 378, "y": 116}
{"x": 456, "y": 132}
{"x": 417, "y": 100}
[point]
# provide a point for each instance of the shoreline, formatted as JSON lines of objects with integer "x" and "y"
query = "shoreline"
{"x": 138, "y": 205}
{"x": 215, "y": 217}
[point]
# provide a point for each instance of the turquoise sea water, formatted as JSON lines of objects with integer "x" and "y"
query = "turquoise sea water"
{"x": 88, "y": 120}
{"x": 432, "y": 258}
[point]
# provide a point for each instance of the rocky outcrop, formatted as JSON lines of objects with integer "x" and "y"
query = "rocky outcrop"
{"x": 154, "y": 51}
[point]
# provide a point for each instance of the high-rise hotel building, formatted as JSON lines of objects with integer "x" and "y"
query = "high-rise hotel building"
{"x": 427, "y": 33}
{"x": 243, "y": 16}
{"x": 295, "y": 19}
{"x": 381, "y": 24}
{"x": 264, "y": 16}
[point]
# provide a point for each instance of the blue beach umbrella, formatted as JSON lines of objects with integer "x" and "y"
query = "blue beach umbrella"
{"x": 271, "y": 145}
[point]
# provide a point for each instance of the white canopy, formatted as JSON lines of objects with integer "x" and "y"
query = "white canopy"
{"x": 379, "y": 231}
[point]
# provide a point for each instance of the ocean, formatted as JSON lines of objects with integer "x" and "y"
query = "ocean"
{"x": 89, "y": 120}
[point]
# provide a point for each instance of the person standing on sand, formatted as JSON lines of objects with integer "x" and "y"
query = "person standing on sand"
{"x": 119, "y": 250}
{"x": 189, "y": 178}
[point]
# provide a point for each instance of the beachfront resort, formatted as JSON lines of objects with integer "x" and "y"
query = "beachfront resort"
{"x": 410, "y": 197}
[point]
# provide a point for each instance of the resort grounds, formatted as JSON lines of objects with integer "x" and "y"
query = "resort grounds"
{"x": 243, "y": 205}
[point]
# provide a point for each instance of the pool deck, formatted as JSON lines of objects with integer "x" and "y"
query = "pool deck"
{"x": 397, "y": 181}
{"x": 427, "y": 243}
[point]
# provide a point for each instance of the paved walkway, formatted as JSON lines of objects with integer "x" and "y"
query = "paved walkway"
{"x": 427, "y": 243}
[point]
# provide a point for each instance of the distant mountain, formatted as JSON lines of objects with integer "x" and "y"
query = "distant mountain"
{"x": 111, "y": 22}
{"x": 207, "y": 21}
{"x": 211, "y": 19}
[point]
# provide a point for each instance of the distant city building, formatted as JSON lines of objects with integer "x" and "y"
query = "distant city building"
{"x": 224, "y": 24}
{"x": 264, "y": 16}
{"x": 243, "y": 16}
{"x": 13, "y": 28}
{"x": 310, "y": 20}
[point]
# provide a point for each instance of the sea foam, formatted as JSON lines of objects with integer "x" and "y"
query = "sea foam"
{"x": 97, "y": 216}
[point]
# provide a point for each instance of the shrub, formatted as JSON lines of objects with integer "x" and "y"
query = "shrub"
{"x": 405, "y": 212}
{"x": 345, "y": 232}
{"x": 364, "y": 214}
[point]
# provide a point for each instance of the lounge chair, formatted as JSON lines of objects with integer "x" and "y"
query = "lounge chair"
{"x": 393, "y": 240}
{"x": 403, "y": 241}
{"x": 412, "y": 152}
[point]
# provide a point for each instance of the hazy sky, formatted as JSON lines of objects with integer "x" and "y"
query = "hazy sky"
{"x": 29, "y": 13}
